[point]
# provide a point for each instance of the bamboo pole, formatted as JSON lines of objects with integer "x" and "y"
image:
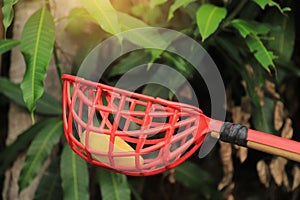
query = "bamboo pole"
{"x": 273, "y": 150}
{"x": 264, "y": 147}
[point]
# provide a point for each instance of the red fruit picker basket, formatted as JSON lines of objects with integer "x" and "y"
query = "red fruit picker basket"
{"x": 139, "y": 135}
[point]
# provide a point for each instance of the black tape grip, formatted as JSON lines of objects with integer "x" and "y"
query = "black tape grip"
{"x": 234, "y": 133}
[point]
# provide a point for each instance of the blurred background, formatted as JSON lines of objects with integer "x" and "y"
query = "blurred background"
{"x": 254, "y": 43}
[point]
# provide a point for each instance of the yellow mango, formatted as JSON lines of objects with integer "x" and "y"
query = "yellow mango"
{"x": 100, "y": 142}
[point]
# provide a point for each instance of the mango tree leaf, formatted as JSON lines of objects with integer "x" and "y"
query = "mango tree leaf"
{"x": 147, "y": 39}
{"x": 155, "y": 17}
{"x": 263, "y": 117}
{"x": 21, "y": 143}
{"x": 229, "y": 51}
{"x": 282, "y": 10}
{"x": 262, "y": 55}
{"x": 47, "y": 104}
{"x": 250, "y": 31}
{"x": 246, "y": 28}
{"x": 283, "y": 34}
{"x": 12, "y": 91}
{"x": 36, "y": 46}
{"x": 78, "y": 20}
{"x": 74, "y": 174}
{"x": 232, "y": 57}
{"x": 176, "y": 5}
{"x": 135, "y": 58}
{"x": 8, "y": 13}
{"x": 208, "y": 19}
{"x": 262, "y": 4}
{"x": 50, "y": 185}
{"x": 39, "y": 151}
{"x": 114, "y": 186}
{"x": 104, "y": 13}
{"x": 154, "y": 3}
{"x": 127, "y": 22}
{"x": 196, "y": 179}
{"x": 7, "y": 45}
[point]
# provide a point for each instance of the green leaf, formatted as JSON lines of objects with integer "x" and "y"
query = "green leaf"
{"x": 208, "y": 19}
{"x": 114, "y": 186}
{"x": 282, "y": 10}
{"x": 127, "y": 22}
{"x": 7, "y": 45}
{"x": 78, "y": 21}
{"x": 137, "y": 186}
{"x": 21, "y": 143}
{"x": 74, "y": 174}
{"x": 230, "y": 51}
{"x": 12, "y": 91}
{"x": 157, "y": 91}
{"x": 176, "y": 5}
{"x": 50, "y": 185}
{"x": 196, "y": 179}
{"x": 36, "y": 46}
{"x": 154, "y": 17}
{"x": 39, "y": 151}
{"x": 8, "y": 13}
{"x": 263, "y": 3}
{"x": 246, "y": 28}
{"x": 104, "y": 14}
{"x": 47, "y": 104}
{"x": 135, "y": 58}
{"x": 262, "y": 55}
{"x": 147, "y": 39}
{"x": 251, "y": 30}
{"x": 283, "y": 34}
{"x": 155, "y": 3}
{"x": 263, "y": 116}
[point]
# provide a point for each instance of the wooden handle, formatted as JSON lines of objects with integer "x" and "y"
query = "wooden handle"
{"x": 271, "y": 144}
{"x": 273, "y": 150}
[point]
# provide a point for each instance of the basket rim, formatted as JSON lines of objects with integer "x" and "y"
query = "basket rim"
{"x": 173, "y": 104}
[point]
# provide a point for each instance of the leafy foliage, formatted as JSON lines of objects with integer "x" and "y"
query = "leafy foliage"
{"x": 282, "y": 34}
{"x": 113, "y": 186}
{"x": 251, "y": 31}
{"x": 21, "y": 143}
{"x": 263, "y": 56}
{"x": 6, "y": 45}
{"x": 47, "y": 104}
{"x": 36, "y": 46}
{"x": 253, "y": 43}
{"x": 74, "y": 175}
{"x": 178, "y": 4}
{"x": 155, "y": 3}
{"x": 104, "y": 14}
{"x": 209, "y": 18}
{"x": 264, "y": 3}
{"x": 8, "y": 13}
{"x": 50, "y": 185}
{"x": 197, "y": 179}
{"x": 246, "y": 28}
{"x": 39, "y": 151}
